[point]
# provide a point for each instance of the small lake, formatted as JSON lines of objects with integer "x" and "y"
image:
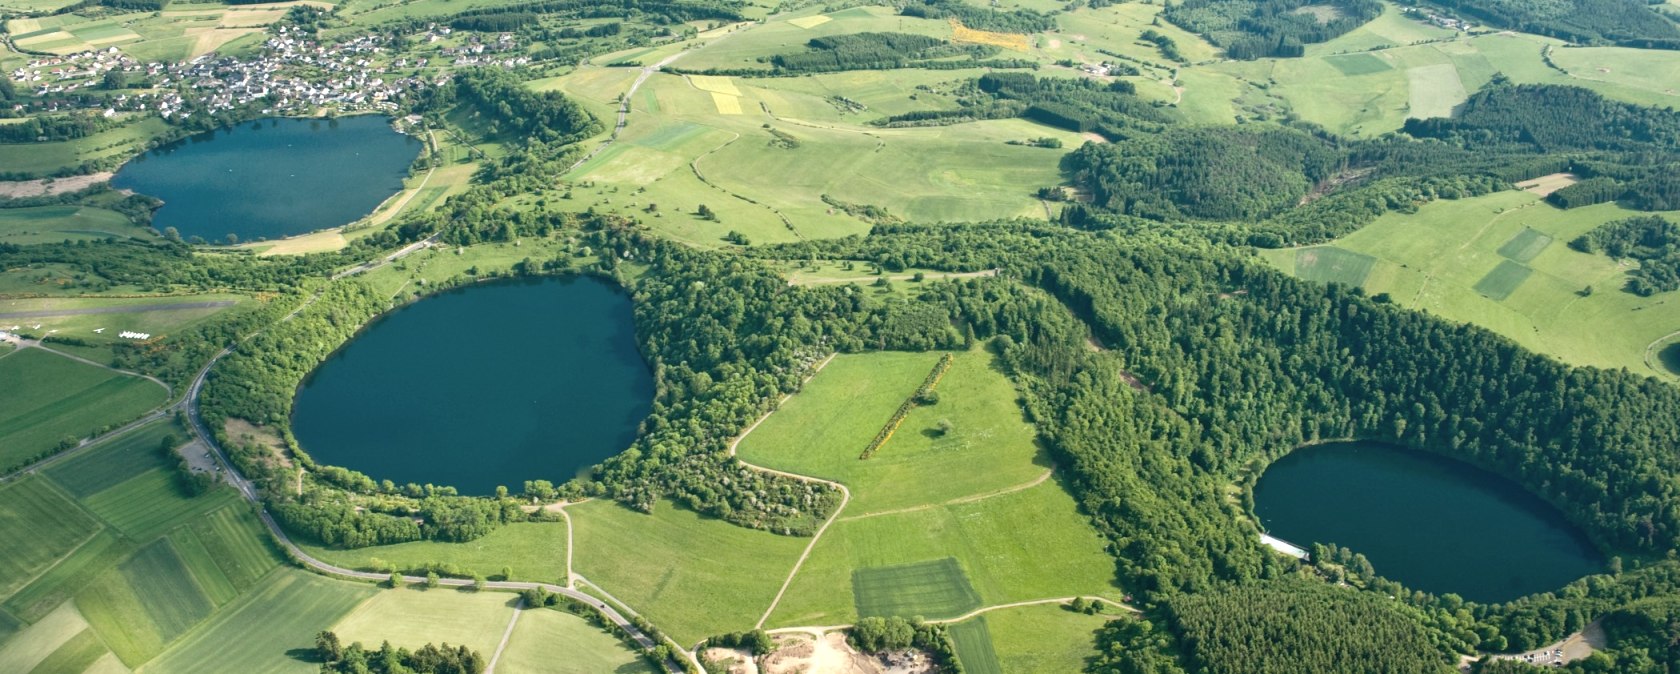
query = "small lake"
{"x": 272, "y": 178}
{"x": 493, "y": 384}
{"x": 1432, "y": 523}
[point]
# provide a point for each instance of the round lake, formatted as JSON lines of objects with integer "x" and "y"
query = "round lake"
{"x": 485, "y": 386}
{"x": 272, "y": 178}
{"x": 1430, "y": 522}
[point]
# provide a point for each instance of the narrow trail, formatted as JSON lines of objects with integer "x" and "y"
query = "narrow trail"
{"x": 971, "y": 498}
{"x": 517, "y": 609}
{"x": 571, "y": 578}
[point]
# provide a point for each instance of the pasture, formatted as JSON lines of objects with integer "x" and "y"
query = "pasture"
{"x": 933, "y": 589}
{"x": 259, "y": 631}
{"x": 973, "y": 639}
{"x": 1329, "y": 264}
{"x": 64, "y": 222}
{"x": 694, "y": 577}
{"x": 412, "y": 617}
{"x": 822, "y": 429}
{"x": 548, "y": 641}
{"x": 40, "y": 526}
{"x": 1462, "y": 260}
{"x": 42, "y": 159}
{"x": 50, "y": 398}
{"x": 535, "y": 551}
{"x": 1042, "y": 639}
{"x": 79, "y": 317}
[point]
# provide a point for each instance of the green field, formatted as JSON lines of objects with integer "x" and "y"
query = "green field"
{"x": 158, "y": 316}
{"x": 694, "y": 577}
{"x": 47, "y": 158}
{"x": 34, "y": 644}
{"x": 413, "y": 617}
{"x": 1042, "y": 639}
{"x": 547, "y": 641}
{"x": 933, "y": 589}
{"x": 1354, "y": 65}
{"x": 40, "y": 526}
{"x": 973, "y": 640}
{"x": 1456, "y": 259}
{"x": 260, "y": 631}
{"x": 822, "y": 430}
{"x": 74, "y": 656}
{"x": 115, "y": 460}
{"x": 69, "y": 575}
{"x": 1329, "y": 264}
{"x": 144, "y": 603}
{"x": 237, "y": 542}
{"x": 151, "y": 503}
{"x": 50, "y": 398}
{"x": 51, "y": 224}
{"x": 536, "y": 551}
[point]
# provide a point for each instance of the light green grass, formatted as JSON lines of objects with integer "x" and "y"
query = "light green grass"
{"x": 39, "y": 527}
{"x": 1354, "y": 65}
{"x": 1044, "y": 639}
{"x": 535, "y": 551}
{"x": 1026, "y": 545}
{"x": 259, "y": 631}
{"x": 694, "y": 577}
{"x": 1433, "y": 259}
{"x": 238, "y": 543}
{"x": 150, "y": 504}
{"x": 69, "y": 575}
{"x": 47, "y": 158}
{"x": 973, "y": 640}
{"x": 547, "y": 641}
{"x": 51, "y": 224}
{"x": 1525, "y": 246}
{"x": 413, "y": 617}
{"x": 822, "y": 430}
{"x": 74, "y": 656}
{"x": 1434, "y": 90}
{"x": 49, "y": 398}
{"x": 33, "y": 644}
{"x": 1329, "y": 264}
{"x": 146, "y": 316}
{"x": 934, "y": 589}
{"x": 1503, "y": 280}
{"x": 114, "y": 461}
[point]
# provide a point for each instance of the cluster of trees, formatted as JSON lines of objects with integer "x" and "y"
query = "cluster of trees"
{"x": 661, "y": 12}
{"x": 509, "y": 107}
{"x": 1167, "y": 46}
{"x": 1651, "y": 239}
{"x": 336, "y": 658}
{"x": 924, "y": 395}
{"x": 1630, "y": 23}
{"x": 981, "y": 18}
{"x": 54, "y": 127}
{"x": 1251, "y": 30}
{"x": 758, "y": 642}
{"x": 1109, "y": 109}
{"x": 876, "y": 51}
{"x": 875, "y": 634}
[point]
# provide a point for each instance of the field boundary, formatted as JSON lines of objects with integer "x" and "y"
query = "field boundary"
{"x": 960, "y": 500}
{"x": 928, "y": 385}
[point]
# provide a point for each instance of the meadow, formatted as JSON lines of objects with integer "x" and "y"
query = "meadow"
{"x": 51, "y": 224}
{"x": 1044, "y": 638}
{"x": 535, "y": 551}
{"x": 412, "y": 617}
{"x": 52, "y": 398}
{"x": 548, "y": 641}
{"x": 694, "y": 577}
{"x": 1499, "y": 261}
{"x": 42, "y": 159}
{"x": 973, "y": 639}
{"x": 262, "y": 630}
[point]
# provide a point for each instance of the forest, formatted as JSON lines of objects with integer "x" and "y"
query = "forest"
{"x": 1630, "y": 23}
{"x": 1270, "y": 28}
{"x": 1110, "y": 109}
{"x": 980, "y": 18}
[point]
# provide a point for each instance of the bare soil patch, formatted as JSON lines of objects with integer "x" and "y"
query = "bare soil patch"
{"x": 1548, "y": 184}
{"x": 800, "y": 653}
{"x": 14, "y": 189}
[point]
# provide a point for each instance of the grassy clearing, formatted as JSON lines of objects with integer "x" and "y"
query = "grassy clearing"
{"x": 1043, "y": 639}
{"x": 1358, "y": 64}
{"x": 40, "y": 526}
{"x": 412, "y": 618}
{"x": 1503, "y": 280}
{"x": 70, "y": 575}
{"x": 151, "y": 503}
{"x": 260, "y": 631}
{"x": 37, "y": 642}
{"x": 932, "y": 589}
{"x": 692, "y": 576}
{"x": 546, "y": 641}
{"x": 1329, "y": 264}
{"x": 1434, "y": 90}
{"x": 51, "y": 224}
{"x": 535, "y": 551}
{"x": 1525, "y": 246}
{"x": 114, "y": 461}
{"x": 1031, "y": 544}
{"x": 1434, "y": 259}
{"x": 50, "y": 398}
{"x": 973, "y": 640}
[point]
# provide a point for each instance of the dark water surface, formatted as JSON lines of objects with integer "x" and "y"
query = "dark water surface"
{"x": 488, "y": 385}
{"x": 273, "y": 177}
{"x": 1430, "y": 522}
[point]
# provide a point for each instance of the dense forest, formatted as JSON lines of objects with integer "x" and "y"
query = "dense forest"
{"x": 980, "y": 18}
{"x": 1263, "y": 28}
{"x": 1630, "y": 23}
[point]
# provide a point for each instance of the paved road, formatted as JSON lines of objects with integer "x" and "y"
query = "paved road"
{"x": 49, "y": 313}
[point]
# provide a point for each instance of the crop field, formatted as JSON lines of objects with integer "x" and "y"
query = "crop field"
{"x": 144, "y": 603}
{"x": 1042, "y": 639}
{"x": 535, "y": 551}
{"x": 933, "y": 589}
{"x": 1358, "y": 64}
{"x": 114, "y": 461}
{"x": 1329, "y": 264}
{"x": 973, "y": 640}
{"x": 547, "y": 641}
{"x": 1525, "y": 246}
{"x": 217, "y": 587}
{"x": 40, "y": 526}
{"x": 37, "y": 642}
{"x": 73, "y": 656}
{"x": 151, "y": 503}
{"x": 821, "y": 431}
{"x": 692, "y": 576}
{"x": 964, "y": 34}
{"x": 238, "y": 544}
{"x": 51, "y": 224}
{"x": 414, "y": 617}
{"x": 59, "y": 583}
{"x": 785, "y": 36}
{"x": 256, "y": 632}
{"x": 1025, "y": 545}
{"x": 49, "y": 398}
{"x": 1439, "y": 258}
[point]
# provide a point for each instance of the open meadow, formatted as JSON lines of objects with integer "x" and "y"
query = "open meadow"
{"x": 412, "y": 617}
{"x": 50, "y": 399}
{"x": 1039, "y": 639}
{"x": 534, "y": 551}
{"x": 549, "y": 641}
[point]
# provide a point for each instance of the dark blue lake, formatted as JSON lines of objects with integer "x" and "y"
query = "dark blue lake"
{"x": 483, "y": 386}
{"x": 1432, "y": 523}
{"x": 272, "y": 178}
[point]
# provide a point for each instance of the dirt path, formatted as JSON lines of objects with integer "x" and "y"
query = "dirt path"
{"x": 517, "y": 609}
{"x": 959, "y": 500}
{"x": 385, "y": 216}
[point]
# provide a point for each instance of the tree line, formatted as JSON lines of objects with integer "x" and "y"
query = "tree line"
{"x": 1267, "y": 28}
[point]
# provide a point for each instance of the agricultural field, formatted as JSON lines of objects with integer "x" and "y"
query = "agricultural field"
{"x": 260, "y": 631}
{"x": 1500, "y": 261}
{"x": 112, "y": 462}
{"x": 973, "y": 639}
{"x": 41, "y": 526}
{"x": 151, "y": 503}
{"x": 692, "y": 576}
{"x": 412, "y": 617}
{"x": 1040, "y": 639}
{"x": 51, "y": 224}
{"x": 535, "y": 551}
{"x": 52, "y": 398}
{"x": 37, "y": 643}
{"x": 547, "y": 641}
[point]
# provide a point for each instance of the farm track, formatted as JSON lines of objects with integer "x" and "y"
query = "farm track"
{"x": 971, "y": 498}
{"x": 517, "y": 609}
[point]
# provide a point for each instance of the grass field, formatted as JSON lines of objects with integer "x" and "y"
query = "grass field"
{"x": 158, "y": 316}
{"x": 547, "y": 641}
{"x": 46, "y": 158}
{"x": 49, "y": 398}
{"x": 933, "y": 589}
{"x": 144, "y": 603}
{"x": 265, "y": 629}
{"x": 973, "y": 640}
{"x": 1458, "y": 259}
{"x": 536, "y": 551}
{"x": 1043, "y": 639}
{"x": 1329, "y": 264}
{"x": 69, "y": 575}
{"x": 34, "y": 644}
{"x": 237, "y": 542}
{"x": 51, "y": 224}
{"x": 151, "y": 503}
{"x": 822, "y": 430}
{"x": 412, "y": 617}
{"x": 694, "y": 577}
{"x": 116, "y": 460}
{"x": 40, "y": 526}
